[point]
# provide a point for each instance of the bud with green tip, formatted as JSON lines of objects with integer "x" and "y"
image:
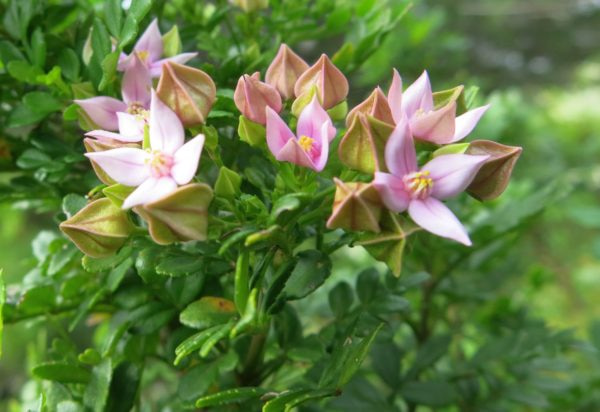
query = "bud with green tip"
{"x": 285, "y": 70}
{"x": 99, "y": 229}
{"x": 228, "y": 183}
{"x": 188, "y": 91}
{"x": 493, "y": 177}
{"x": 180, "y": 216}
{"x": 331, "y": 84}
{"x": 356, "y": 206}
{"x": 375, "y": 105}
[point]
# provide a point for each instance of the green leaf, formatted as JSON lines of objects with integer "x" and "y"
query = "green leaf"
{"x": 117, "y": 193}
{"x": 340, "y": 299}
{"x": 72, "y": 204}
{"x": 96, "y": 392}
{"x": 213, "y": 339}
{"x": 171, "y": 42}
{"x": 312, "y": 269}
{"x": 101, "y": 44}
{"x": 206, "y": 312}
{"x": 236, "y": 395}
{"x": 356, "y": 356}
{"x": 38, "y": 48}
{"x": 250, "y": 132}
{"x": 38, "y": 299}
{"x": 432, "y": 350}
{"x": 228, "y": 183}
{"x": 90, "y": 356}
{"x": 42, "y": 103}
{"x": 94, "y": 265}
{"x": 2, "y": 301}
{"x": 23, "y": 71}
{"x": 109, "y": 69}
{"x": 179, "y": 265}
{"x": 113, "y": 16}
{"x": 241, "y": 281}
{"x": 136, "y": 13}
{"x": 117, "y": 274}
{"x": 287, "y": 401}
{"x": 249, "y": 315}
{"x": 62, "y": 372}
{"x": 367, "y": 285}
{"x": 193, "y": 343}
{"x": 68, "y": 61}
{"x": 430, "y": 393}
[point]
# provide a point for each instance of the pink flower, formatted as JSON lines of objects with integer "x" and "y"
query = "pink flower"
{"x": 128, "y": 116}
{"x": 158, "y": 171}
{"x": 439, "y": 126}
{"x": 149, "y": 48}
{"x": 309, "y": 147}
{"x": 420, "y": 190}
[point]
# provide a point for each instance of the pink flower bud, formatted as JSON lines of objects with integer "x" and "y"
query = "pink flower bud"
{"x": 285, "y": 70}
{"x": 252, "y": 97}
{"x": 375, "y": 105}
{"x": 331, "y": 84}
{"x": 493, "y": 177}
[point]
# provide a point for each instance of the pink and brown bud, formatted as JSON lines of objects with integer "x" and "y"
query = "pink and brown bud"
{"x": 99, "y": 229}
{"x": 363, "y": 146}
{"x": 252, "y": 97}
{"x": 95, "y": 145}
{"x": 285, "y": 70}
{"x": 331, "y": 84}
{"x": 189, "y": 92}
{"x": 180, "y": 216}
{"x": 375, "y": 105}
{"x": 356, "y": 206}
{"x": 493, "y": 177}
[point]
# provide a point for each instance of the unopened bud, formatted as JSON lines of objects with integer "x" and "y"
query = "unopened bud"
{"x": 375, "y": 105}
{"x": 356, "y": 206}
{"x": 285, "y": 70}
{"x": 252, "y": 96}
{"x": 331, "y": 84}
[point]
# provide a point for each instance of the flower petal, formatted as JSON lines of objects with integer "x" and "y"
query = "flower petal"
{"x": 149, "y": 191}
{"x": 466, "y": 122}
{"x": 292, "y": 152}
{"x": 436, "y": 126}
{"x": 103, "y": 111}
{"x": 312, "y": 119}
{"x": 150, "y": 42}
{"x": 278, "y": 132}
{"x": 166, "y": 130}
{"x": 131, "y": 127}
{"x": 400, "y": 154}
{"x": 126, "y": 165}
{"x": 104, "y": 136}
{"x": 433, "y": 216}
{"x": 136, "y": 83}
{"x": 395, "y": 97}
{"x": 320, "y": 159}
{"x": 418, "y": 96}
{"x": 452, "y": 173}
{"x": 186, "y": 160}
{"x": 392, "y": 191}
{"x": 156, "y": 67}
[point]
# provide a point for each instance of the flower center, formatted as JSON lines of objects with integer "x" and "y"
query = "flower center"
{"x": 419, "y": 184}
{"x": 306, "y": 143}
{"x": 160, "y": 163}
{"x": 138, "y": 111}
{"x": 143, "y": 55}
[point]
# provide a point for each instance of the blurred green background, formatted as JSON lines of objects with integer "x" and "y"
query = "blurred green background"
{"x": 538, "y": 64}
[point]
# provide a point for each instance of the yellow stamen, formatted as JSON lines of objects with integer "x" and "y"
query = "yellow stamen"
{"x": 306, "y": 143}
{"x": 143, "y": 55}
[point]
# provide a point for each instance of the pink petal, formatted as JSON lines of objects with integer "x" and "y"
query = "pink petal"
{"x": 156, "y": 67}
{"x": 452, "y": 173}
{"x": 186, "y": 160}
{"x": 436, "y": 126}
{"x": 278, "y": 133}
{"x": 395, "y": 97}
{"x": 466, "y": 122}
{"x": 293, "y": 153}
{"x": 418, "y": 96}
{"x": 149, "y": 191}
{"x": 392, "y": 191}
{"x": 103, "y": 135}
{"x": 166, "y": 130}
{"x": 124, "y": 61}
{"x": 322, "y": 147}
{"x": 131, "y": 127}
{"x": 136, "y": 83}
{"x": 126, "y": 165}
{"x": 102, "y": 110}
{"x": 433, "y": 216}
{"x": 311, "y": 121}
{"x": 151, "y": 42}
{"x": 400, "y": 154}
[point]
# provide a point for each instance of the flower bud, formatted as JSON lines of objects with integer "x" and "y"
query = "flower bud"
{"x": 250, "y": 132}
{"x": 363, "y": 146}
{"x": 99, "y": 229}
{"x": 375, "y": 105}
{"x": 331, "y": 84}
{"x": 189, "y": 92}
{"x": 180, "y": 216}
{"x": 493, "y": 177}
{"x": 251, "y": 5}
{"x": 253, "y": 96}
{"x": 228, "y": 183}
{"x": 356, "y": 206}
{"x": 285, "y": 70}
{"x": 94, "y": 145}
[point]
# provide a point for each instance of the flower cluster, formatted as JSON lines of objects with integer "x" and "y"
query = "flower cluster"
{"x": 139, "y": 147}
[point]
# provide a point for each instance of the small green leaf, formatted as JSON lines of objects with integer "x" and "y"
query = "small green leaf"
{"x": 241, "y": 281}
{"x": 171, "y": 42}
{"x": 250, "y": 132}
{"x": 312, "y": 269}
{"x": 94, "y": 265}
{"x": 193, "y": 343}
{"x": 90, "y": 356}
{"x": 179, "y": 265}
{"x": 113, "y": 16}
{"x": 96, "y": 392}
{"x": 62, "y": 372}
{"x": 38, "y": 48}
{"x": 117, "y": 193}
{"x": 109, "y": 69}
{"x": 340, "y": 299}
{"x": 431, "y": 393}
{"x": 236, "y": 395}
{"x": 213, "y": 339}
{"x": 206, "y": 312}
{"x": 228, "y": 183}
{"x": 356, "y": 356}
{"x": 72, "y": 204}
{"x": 2, "y": 301}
